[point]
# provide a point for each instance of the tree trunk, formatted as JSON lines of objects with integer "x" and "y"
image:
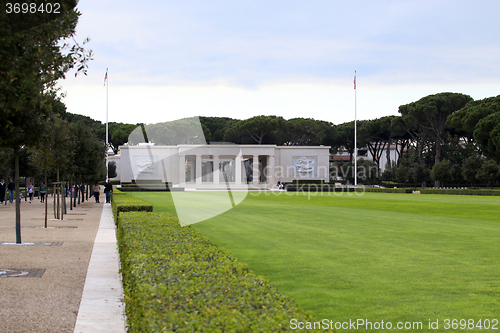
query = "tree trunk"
{"x": 63, "y": 199}
{"x": 54, "y": 191}
{"x": 46, "y": 190}
{"x": 421, "y": 150}
{"x": 16, "y": 194}
{"x": 388, "y": 153}
{"x": 58, "y": 190}
{"x": 6, "y": 183}
{"x": 438, "y": 149}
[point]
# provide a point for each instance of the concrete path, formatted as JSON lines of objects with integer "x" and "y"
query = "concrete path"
{"x": 102, "y": 308}
{"x": 42, "y": 284}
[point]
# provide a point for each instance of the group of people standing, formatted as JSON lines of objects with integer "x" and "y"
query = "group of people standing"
{"x": 108, "y": 188}
{"x": 11, "y": 187}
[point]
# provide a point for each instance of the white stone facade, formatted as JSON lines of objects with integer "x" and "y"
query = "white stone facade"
{"x": 199, "y": 166}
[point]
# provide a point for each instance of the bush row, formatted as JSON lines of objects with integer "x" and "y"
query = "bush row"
{"x": 460, "y": 191}
{"x": 389, "y": 190}
{"x": 174, "y": 280}
{"x": 113, "y": 182}
{"x": 331, "y": 188}
{"x": 151, "y": 189}
{"x": 306, "y": 181}
{"x": 169, "y": 184}
{"x": 121, "y": 202}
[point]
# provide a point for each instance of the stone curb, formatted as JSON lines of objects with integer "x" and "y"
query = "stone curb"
{"x": 102, "y": 308}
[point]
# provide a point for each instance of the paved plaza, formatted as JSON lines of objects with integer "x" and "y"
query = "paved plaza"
{"x": 42, "y": 281}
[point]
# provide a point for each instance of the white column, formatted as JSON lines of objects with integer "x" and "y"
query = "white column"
{"x": 255, "y": 169}
{"x": 216, "y": 170}
{"x": 270, "y": 171}
{"x": 237, "y": 161}
{"x": 192, "y": 169}
{"x": 198, "y": 170}
{"x": 182, "y": 170}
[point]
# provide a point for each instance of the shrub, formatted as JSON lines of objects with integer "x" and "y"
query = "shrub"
{"x": 113, "y": 182}
{"x": 121, "y": 202}
{"x": 441, "y": 172}
{"x": 331, "y": 188}
{"x": 149, "y": 187}
{"x": 307, "y": 181}
{"x": 175, "y": 280}
{"x": 461, "y": 191}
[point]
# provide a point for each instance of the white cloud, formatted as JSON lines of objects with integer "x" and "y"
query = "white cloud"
{"x": 289, "y": 58}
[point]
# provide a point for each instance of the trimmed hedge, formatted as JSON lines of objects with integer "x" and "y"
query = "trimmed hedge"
{"x": 113, "y": 182}
{"x": 174, "y": 280}
{"x": 331, "y": 188}
{"x": 152, "y": 189}
{"x": 306, "y": 181}
{"x": 149, "y": 187}
{"x": 327, "y": 188}
{"x": 121, "y": 202}
{"x": 460, "y": 191}
{"x": 389, "y": 190}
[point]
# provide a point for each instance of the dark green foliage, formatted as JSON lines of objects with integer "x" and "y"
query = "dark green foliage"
{"x": 344, "y": 138}
{"x": 175, "y": 280}
{"x": 327, "y": 188}
{"x": 143, "y": 189}
{"x": 113, "y": 182}
{"x": 376, "y": 134}
{"x": 89, "y": 152}
{"x": 121, "y": 202}
{"x": 420, "y": 173}
{"x": 487, "y": 134}
{"x": 112, "y": 169}
{"x": 307, "y": 132}
{"x": 442, "y": 171}
{"x": 149, "y": 186}
{"x": 489, "y": 172}
{"x": 482, "y": 119}
{"x": 259, "y": 126}
{"x": 428, "y": 115}
{"x": 389, "y": 190}
{"x": 216, "y": 127}
{"x": 460, "y": 191}
{"x": 306, "y": 181}
{"x": 471, "y": 167}
{"x": 332, "y": 189}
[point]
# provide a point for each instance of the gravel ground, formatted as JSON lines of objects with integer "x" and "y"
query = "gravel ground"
{"x": 49, "y": 303}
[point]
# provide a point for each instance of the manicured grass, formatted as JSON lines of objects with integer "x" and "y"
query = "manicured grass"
{"x": 391, "y": 257}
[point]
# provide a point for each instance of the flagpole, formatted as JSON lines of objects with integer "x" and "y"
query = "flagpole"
{"x": 355, "y": 136}
{"x": 107, "y": 141}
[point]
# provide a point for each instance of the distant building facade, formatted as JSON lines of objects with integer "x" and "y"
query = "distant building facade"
{"x": 219, "y": 165}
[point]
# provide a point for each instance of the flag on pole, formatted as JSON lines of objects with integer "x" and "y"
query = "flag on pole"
{"x": 106, "y": 76}
{"x": 354, "y": 80}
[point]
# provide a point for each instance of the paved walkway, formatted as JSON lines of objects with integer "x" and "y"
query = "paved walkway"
{"x": 67, "y": 275}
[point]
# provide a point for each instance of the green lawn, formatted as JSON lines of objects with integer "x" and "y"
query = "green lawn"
{"x": 391, "y": 257}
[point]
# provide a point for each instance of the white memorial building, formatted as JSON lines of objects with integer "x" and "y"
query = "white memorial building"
{"x": 221, "y": 165}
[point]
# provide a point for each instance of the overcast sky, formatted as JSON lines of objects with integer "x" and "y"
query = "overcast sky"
{"x": 173, "y": 59}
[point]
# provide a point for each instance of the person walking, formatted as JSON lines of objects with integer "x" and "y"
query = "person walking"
{"x": 108, "y": 188}
{"x": 3, "y": 187}
{"x": 12, "y": 188}
{"x": 82, "y": 192}
{"x": 30, "y": 191}
{"x": 96, "y": 190}
{"x": 43, "y": 190}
